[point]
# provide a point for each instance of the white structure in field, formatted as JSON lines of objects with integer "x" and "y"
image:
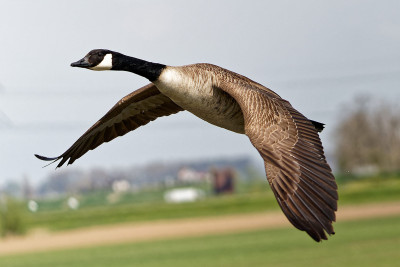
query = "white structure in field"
{"x": 33, "y": 206}
{"x": 180, "y": 195}
{"x": 73, "y": 203}
{"x": 121, "y": 186}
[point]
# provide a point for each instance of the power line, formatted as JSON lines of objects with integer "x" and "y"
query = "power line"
{"x": 5, "y": 121}
{"x": 346, "y": 79}
{"x": 369, "y": 77}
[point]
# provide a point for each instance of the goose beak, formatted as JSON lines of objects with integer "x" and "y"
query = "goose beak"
{"x": 83, "y": 63}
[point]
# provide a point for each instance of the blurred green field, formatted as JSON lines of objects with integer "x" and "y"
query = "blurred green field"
{"x": 374, "y": 242}
{"x": 144, "y": 206}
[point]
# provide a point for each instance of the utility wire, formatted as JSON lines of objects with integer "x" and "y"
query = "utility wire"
{"x": 111, "y": 89}
{"x": 5, "y": 121}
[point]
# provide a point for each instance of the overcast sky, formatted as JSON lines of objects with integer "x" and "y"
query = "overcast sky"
{"x": 318, "y": 55}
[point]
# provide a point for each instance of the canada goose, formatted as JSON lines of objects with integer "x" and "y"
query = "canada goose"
{"x": 288, "y": 142}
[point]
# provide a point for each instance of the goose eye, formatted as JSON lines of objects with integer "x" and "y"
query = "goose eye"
{"x": 100, "y": 54}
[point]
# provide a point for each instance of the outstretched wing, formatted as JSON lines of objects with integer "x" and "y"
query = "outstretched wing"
{"x": 134, "y": 110}
{"x": 295, "y": 164}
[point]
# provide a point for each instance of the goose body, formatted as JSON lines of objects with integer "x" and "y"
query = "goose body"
{"x": 288, "y": 142}
{"x": 195, "y": 89}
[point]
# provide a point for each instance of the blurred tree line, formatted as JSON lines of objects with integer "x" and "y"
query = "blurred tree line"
{"x": 11, "y": 216}
{"x": 368, "y": 137}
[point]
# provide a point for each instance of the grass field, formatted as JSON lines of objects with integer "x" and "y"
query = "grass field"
{"x": 373, "y": 242}
{"x": 147, "y": 206}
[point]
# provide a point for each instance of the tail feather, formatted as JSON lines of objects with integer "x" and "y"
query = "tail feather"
{"x": 318, "y": 125}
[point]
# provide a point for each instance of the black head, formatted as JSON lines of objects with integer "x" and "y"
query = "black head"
{"x": 97, "y": 59}
{"x": 103, "y": 59}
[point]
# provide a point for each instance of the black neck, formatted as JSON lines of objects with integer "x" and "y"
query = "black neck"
{"x": 143, "y": 68}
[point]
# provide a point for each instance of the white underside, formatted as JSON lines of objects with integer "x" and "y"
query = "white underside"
{"x": 198, "y": 97}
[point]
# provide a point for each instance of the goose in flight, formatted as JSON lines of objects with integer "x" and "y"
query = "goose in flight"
{"x": 288, "y": 142}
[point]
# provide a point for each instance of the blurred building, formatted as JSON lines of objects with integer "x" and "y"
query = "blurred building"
{"x": 189, "y": 175}
{"x": 223, "y": 181}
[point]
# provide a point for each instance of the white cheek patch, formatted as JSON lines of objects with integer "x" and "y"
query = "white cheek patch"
{"x": 105, "y": 64}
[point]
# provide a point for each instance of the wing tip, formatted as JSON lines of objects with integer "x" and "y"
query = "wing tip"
{"x": 306, "y": 220}
{"x": 46, "y": 158}
{"x": 54, "y": 159}
{"x": 319, "y": 236}
{"x": 316, "y": 231}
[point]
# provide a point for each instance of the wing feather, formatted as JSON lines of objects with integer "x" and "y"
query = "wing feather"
{"x": 134, "y": 110}
{"x": 294, "y": 159}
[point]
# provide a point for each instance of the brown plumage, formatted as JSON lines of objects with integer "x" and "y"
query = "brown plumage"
{"x": 288, "y": 142}
{"x": 132, "y": 111}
